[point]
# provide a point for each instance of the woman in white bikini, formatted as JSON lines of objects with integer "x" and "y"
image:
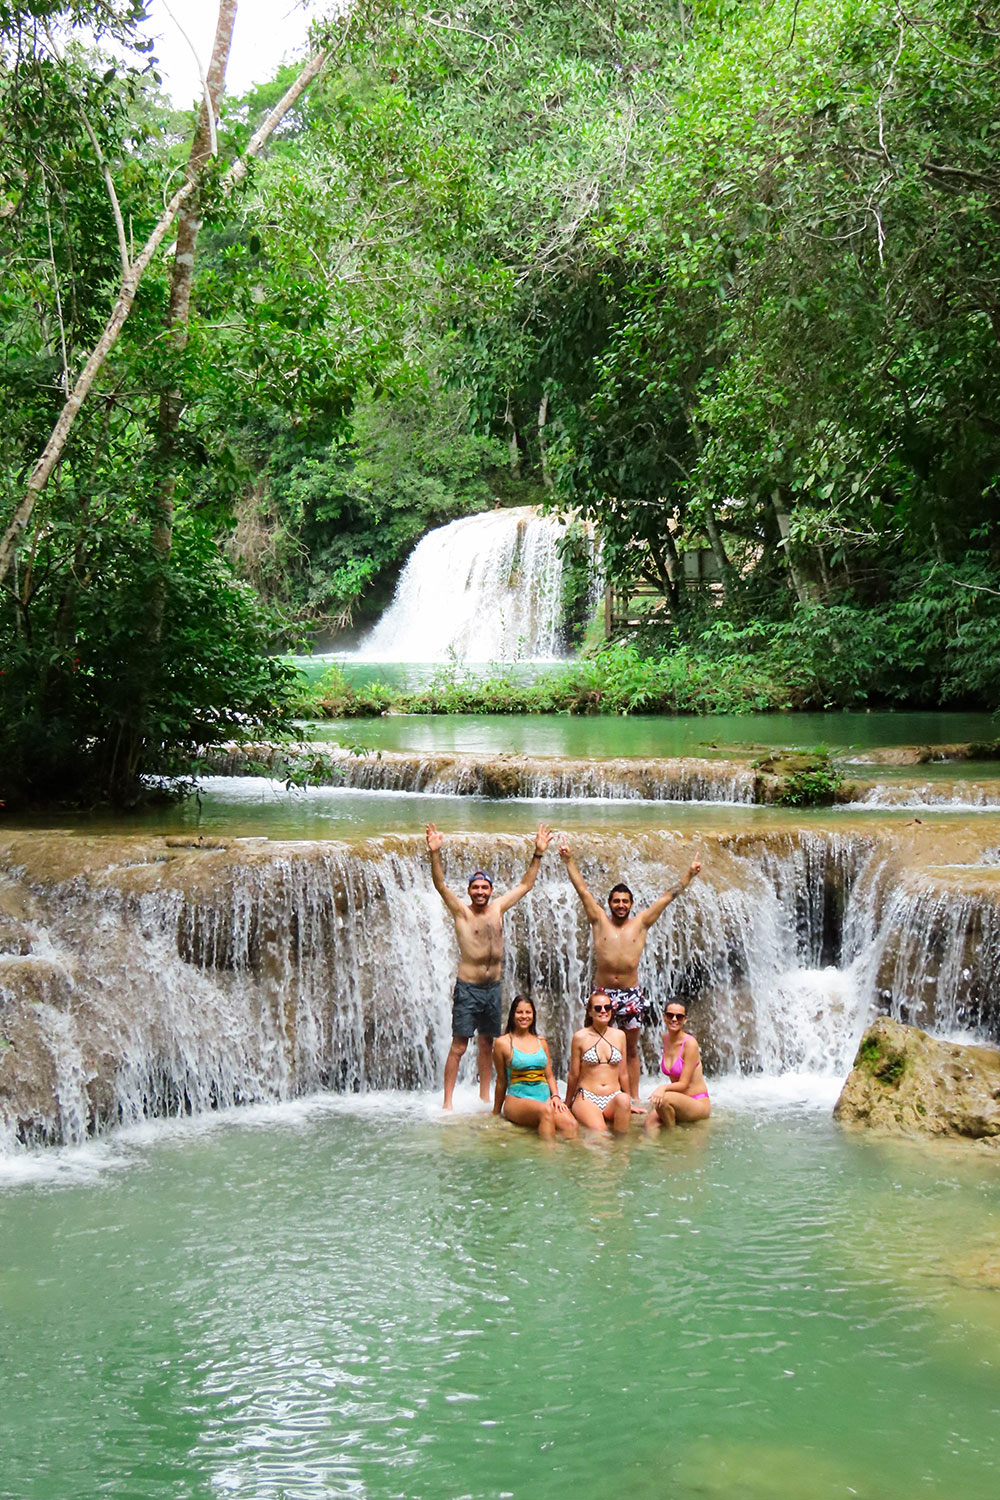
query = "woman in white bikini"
{"x": 682, "y": 1096}
{"x": 597, "y": 1087}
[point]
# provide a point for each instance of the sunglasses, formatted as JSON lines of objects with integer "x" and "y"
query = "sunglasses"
{"x": 601, "y": 1009}
{"x": 676, "y": 1015}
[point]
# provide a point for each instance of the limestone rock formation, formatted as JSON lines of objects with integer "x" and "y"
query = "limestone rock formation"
{"x": 907, "y": 1082}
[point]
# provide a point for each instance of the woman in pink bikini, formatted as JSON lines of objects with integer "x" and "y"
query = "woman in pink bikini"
{"x": 682, "y": 1096}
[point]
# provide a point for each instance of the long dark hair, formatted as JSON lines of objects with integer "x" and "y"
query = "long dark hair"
{"x": 522, "y": 1000}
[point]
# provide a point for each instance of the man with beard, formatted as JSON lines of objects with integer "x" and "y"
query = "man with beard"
{"x": 479, "y": 929}
{"x": 619, "y": 940}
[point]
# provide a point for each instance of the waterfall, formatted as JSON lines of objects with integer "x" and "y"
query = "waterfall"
{"x": 139, "y": 981}
{"x": 553, "y": 778}
{"x": 484, "y": 588}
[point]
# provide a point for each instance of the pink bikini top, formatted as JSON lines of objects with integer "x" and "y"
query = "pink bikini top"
{"x": 677, "y": 1066}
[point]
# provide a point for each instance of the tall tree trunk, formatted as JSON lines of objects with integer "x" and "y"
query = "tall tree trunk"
{"x": 716, "y": 544}
{"x": 715, "y": 541}
{"x": 189, "y": 221}
{"x": 800, "y": 583}
{"x": 515, "y": 451}
{"x": 543, "y": 417}
{"x": 52, "y": 452}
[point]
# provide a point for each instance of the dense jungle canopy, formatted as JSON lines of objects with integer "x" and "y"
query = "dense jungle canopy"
{"x": 721, "y": 277}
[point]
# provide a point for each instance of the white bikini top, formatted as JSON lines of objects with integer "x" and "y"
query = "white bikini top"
{"x": 591, "y": 1055}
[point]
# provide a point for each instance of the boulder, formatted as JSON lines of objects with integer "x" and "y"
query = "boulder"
{"x": 908, "y": 1083}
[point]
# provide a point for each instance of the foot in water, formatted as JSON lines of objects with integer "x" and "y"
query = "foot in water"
{"x": 663, "y": 1114}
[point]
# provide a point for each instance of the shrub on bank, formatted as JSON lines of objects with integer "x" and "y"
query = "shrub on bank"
{"x": 938, "y": 646}
{"x": 617, "y": 680}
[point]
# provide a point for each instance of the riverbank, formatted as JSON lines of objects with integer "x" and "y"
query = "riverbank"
{"x": 618, "y": 679}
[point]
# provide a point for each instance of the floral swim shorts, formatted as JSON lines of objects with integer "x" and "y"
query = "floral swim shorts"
{"x": 632, "y": 1009}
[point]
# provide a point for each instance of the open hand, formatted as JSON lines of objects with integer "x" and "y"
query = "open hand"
{"x": 434, "y": 839}
{"x": 542, "y": 838}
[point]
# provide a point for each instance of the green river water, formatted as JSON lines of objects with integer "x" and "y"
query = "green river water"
{"x": 352, "y": 1297}
{"x": 652, "y": 734}
{"x": 348, "y": 1298}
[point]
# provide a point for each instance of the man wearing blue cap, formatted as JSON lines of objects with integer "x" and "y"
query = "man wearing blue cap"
{"x": 479, "y": 929}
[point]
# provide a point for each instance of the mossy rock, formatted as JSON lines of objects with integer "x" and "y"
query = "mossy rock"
{"x": 798, "y": 778}
{"x": 885, "y": 1063}
{"x": 908, "y": 1083}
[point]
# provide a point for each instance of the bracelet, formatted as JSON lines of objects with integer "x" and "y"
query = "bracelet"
{"x": 538, "y": 854}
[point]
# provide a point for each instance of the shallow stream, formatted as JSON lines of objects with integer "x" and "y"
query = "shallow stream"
{"x": 346, "y": 1297}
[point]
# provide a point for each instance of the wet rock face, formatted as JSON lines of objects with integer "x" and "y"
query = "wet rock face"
{"x": 144, "y": 976}
{"x": 906, "y": 1082}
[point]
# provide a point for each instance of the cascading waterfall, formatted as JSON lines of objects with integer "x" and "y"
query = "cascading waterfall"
{"x": 484, "y": 588}
{"x": 163, "y": 986}
{"x": 680, "y": 779}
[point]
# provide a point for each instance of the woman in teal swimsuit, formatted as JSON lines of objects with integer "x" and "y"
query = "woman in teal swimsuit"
{"x": 682, "y": 1096}
{"x": 526, "y": 1089}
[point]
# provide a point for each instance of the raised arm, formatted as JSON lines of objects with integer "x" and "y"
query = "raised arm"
{"x": 648, "y": 917}
{"x": 527, "y": 880}
{"x": 451, "y": 901}
{"x": 590, "y": 906}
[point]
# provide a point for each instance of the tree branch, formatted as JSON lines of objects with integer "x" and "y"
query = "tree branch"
{"x": 52, "y": 451}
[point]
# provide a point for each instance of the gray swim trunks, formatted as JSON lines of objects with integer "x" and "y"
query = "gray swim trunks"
{"x": 476, "y": 1007}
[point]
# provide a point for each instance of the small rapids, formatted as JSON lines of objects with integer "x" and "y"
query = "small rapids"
{"x": 679, "y": 779}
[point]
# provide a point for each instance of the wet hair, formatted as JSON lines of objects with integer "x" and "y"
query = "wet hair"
{"x": 624, "y": 889}
{"x": 522, "y": 1000}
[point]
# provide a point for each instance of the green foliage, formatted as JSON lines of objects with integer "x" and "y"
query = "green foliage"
{"x": 357, "y": 506}
{"x": 717, "y": 296}
{"x": 85, "y": 712}
{"x": 92, "y": 696}
{"x": 812, "y": 786}
{"x": 884, "y": 1063}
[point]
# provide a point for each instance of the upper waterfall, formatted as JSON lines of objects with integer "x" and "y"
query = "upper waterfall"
{"x": 484, "y": 588}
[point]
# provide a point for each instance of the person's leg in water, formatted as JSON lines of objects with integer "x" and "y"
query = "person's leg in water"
{"x": 540, "y": 1115}
{"x": 485, "y": 1067}
{"x": 455, "y": 1054}
{"x": 660, "y": 1112}
{"x": 632, "y": 1060}
{"x": 686, "y": 1109}
{"x": 616, "y": 1114}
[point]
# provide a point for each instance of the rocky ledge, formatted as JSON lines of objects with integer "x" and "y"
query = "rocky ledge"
{"x": 908, "y": 1083}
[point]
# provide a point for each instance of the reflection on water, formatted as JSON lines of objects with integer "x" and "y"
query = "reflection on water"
{"x": 651, "y": 734}
{"x": 356, "y": 1298}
